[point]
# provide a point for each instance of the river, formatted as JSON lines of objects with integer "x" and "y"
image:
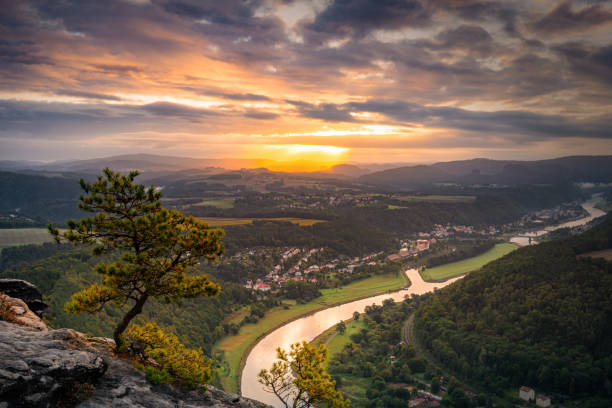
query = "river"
{"x": 309, "y": 327}
{"x": 589, "y": 205}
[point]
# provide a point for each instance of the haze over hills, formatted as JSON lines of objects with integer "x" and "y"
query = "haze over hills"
{"x": 397, "y": 175}
{"x": 483, "y": 171}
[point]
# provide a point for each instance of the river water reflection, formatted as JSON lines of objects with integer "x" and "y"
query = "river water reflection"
{"x": 589, "y": 206}
{"x": 309, "y": 327}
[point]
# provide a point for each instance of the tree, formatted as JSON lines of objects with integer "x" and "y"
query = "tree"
{"x": 341, "y": 327}
{"x": 435, "y": 385}
{"x": 299, "y": 378}
{"x": 158, "y": 247}
{"x": 355, "y": 316}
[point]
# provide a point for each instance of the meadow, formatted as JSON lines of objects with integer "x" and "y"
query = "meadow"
{"x": 223, "y": 222}
{"x": 439, "y": 198}
{"x": 218, "y": 203}
{"x": 467, "y": 265}
{"x": 23, "y": 236}
{"x": 236, "y": 348}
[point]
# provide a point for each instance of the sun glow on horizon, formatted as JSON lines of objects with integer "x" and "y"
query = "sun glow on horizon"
{"x": 304, "y": 157}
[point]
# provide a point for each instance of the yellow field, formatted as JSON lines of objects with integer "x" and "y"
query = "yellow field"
{"x": 219, "y": 203}
{"x": 222, "y": 222}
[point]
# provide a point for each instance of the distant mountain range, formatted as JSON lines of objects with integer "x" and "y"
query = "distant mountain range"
{"x": 484, "y": 171}
{"x": 391, "y": 175}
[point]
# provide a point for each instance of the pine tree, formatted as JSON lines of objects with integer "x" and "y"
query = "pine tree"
{"x": 158, "y": 248}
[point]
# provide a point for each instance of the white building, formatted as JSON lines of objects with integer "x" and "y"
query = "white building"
{"x": 526, "y": 393}
{"x": 542, "y": 401}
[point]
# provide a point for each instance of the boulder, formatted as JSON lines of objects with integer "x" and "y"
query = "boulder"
{"x": 25, "y": 291}
{"x": 40, "y": 369}
{"x": 66, "y": 368}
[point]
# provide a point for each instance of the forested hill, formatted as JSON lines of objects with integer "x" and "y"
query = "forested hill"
{"x": 51, "y": 198}
{"x": 540, "y": 316}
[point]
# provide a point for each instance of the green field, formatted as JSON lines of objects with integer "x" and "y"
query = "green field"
{"x": 23, "y": 236}
{"x": 467, "y": 265}
{"x": 222, "y": 222}
{"x": 235, "y": 348}
{"x": 220, "y": 203}
{"x": 335, "y": 341}
{"x": 439, "y": 198}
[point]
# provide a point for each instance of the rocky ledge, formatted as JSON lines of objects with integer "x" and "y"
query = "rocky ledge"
{"x": 65, "y": 368}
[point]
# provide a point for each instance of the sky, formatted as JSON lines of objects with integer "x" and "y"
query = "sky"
{"x": 321, "y": 80}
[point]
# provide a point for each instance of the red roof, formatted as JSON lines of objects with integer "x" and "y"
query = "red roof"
{"x": 526, "y": 389}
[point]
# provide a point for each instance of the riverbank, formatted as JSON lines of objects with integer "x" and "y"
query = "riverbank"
{"x": 453, "y": 269}
{"x": 236, "y": 348}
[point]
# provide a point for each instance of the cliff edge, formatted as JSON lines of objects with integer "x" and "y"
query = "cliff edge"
{"x": 44, "y": 368}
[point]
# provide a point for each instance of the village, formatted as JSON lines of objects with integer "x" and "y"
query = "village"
{"x": 296, "y": 264}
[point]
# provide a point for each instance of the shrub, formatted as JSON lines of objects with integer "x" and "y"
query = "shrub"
{"x": 189, "y": 366}
{"x": 157, "y": 376}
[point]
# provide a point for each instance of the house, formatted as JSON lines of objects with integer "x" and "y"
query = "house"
{"x": 418, "y": 403}
{"x": 394, "y": 257}
{"x": 542, "y": 401}
{"x": 263, "y": 287}
{"x": 526, "y": 393}
{"x": 422, "y": 244}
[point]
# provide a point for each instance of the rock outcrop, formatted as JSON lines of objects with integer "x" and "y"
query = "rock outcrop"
{"x": 22, "y": 313}
{"x": 25, "y": 291}
{"x": 44, "y": 369}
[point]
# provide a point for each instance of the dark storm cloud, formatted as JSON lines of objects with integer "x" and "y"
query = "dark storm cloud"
{"x": 466, "y": 37}
{"x": 21, "y": 52}
{"x": 587, "y": 61}
{"x": 356, "y": 18}
{"x": 562, "y": 18}
{"x": 481, "y": 11}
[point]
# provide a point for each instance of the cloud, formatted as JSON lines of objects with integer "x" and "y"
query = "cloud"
{"x": 325, "y": 111}
{"x": 86, "y": 95}
{"x": 562, "y": 19}
{"x": 356, "y": 18}
{"x": 261, "y": 115}
{"x": 522, "y": 124}
{"x": 484, "y": 71}
{"x": 178, "y": 111}
{"x": 235, "y": 96}
{"x": 587, "y": 61}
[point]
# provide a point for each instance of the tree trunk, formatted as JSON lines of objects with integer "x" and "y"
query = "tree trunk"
{"x": 133, "y": 312}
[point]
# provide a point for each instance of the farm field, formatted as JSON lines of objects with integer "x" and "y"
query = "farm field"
{"x": 467, "y": 265}
{"x": 222, "y": 222}
{"x": 235, "y": 348}
{"x": 439, "y": 198}
{"x": 219, "y": 203}
{"x": 23, "y": 236}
